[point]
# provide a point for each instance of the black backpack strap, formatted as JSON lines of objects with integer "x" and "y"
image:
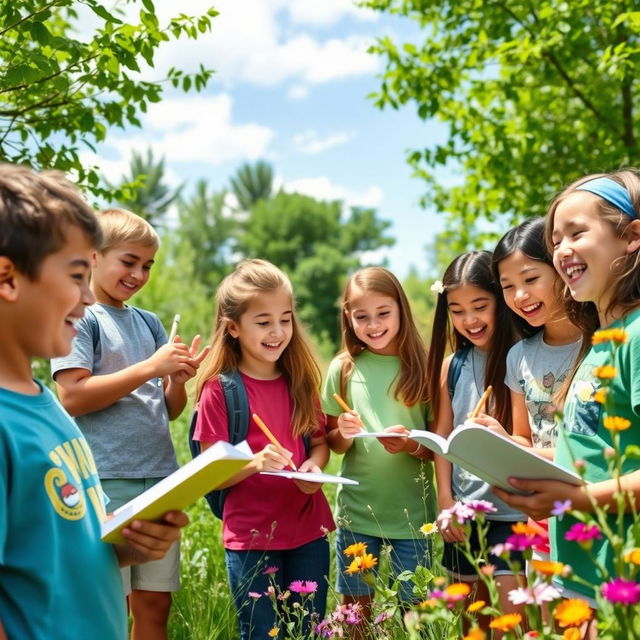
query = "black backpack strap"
{"x": 94, "y": 328}
{"x": 455, "y": 368}
{"x": 154, "y": 324}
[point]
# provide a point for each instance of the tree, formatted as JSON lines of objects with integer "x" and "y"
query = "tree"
{"x": 252, "y": 183}
{"x": 59, "y": 93}
{"x": 310, "y": 240}
{"x": 534, "y": 94}
{"x": 145, "y": 192}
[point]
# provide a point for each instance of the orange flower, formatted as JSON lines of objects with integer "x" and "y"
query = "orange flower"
{"x": 368, "y": 561}
{"x": 428, "y": 604}
{"x": 356, "y": 549}
{"x": 548, "y": 568}
{"x": 617, "y": 336}
{"x": 354, "y": 567}
{"x": 474, "y": 634}
{"x": 273, "y": 632}
{"x": 525, "y": 529}
{"x": 507, "y": 622}
{"x": 614, "y": 423}
{"x": 476, "y": 606}
{"x": 458, "y": 589}
{"x": 633, "y": 556}
{"x": 600, "y": 396}
{"x": 605, "y": 372}
{"x": 572, "y": 613}
{"x": 572, "y": 633}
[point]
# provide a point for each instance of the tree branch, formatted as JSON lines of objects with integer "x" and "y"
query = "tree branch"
{"x": 28, "y": 17}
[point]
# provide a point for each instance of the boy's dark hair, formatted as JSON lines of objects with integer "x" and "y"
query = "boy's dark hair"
{"x": 35, "y": 211}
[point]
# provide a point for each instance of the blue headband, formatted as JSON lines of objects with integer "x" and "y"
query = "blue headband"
{"x": 612, "y": 192}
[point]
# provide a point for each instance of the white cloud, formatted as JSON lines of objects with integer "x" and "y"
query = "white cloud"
{"x": 310, "y": 142}
{"x": 327, "y": 12}
{"x": 298, "y": 92}
{"x": 323, "y": 189}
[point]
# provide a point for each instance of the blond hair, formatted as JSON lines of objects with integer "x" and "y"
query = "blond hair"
{"x": 412, "y": 383}
{"x": 297, "y": 364}
{"x": 36, "y": 210}
{"x": 120, "y": 226}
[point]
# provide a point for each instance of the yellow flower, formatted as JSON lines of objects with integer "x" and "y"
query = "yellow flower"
{"x": 476, "y": 606}
{"x": 474, "y": 634}
{"x": 614, "y": 423}
{"x": 633, "y": 556}
{"x": 368, "y": 561}
{"x": 507, "y": 622}
{"x": 572, "y": 613}
{"x": 428, "y": 604}
{"x": 356, "y": 549}
{"x": 617, "y": 336}
{"x": 600, "y": 396}
{"x": 548, "y": 568}
{"x": 605, "y": 372}
{"x": 572, "y": 633}
{"x": 429, "y": 528}
{"x": 458, "y": 589}
{"x": 273, "y": 632}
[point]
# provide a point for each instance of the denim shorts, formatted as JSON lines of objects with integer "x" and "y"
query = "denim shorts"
{"x": 157, "y": 575}
{"x": 405, "y": 555}
{"x": 456, "y": 562}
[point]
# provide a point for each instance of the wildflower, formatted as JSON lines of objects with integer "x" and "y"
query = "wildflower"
{"x": 531, "y": 634}
{"x": 487, "y": 569}
{"x": 284, "y": 595}
{"x": 506, "y": 622}
{"x": 273, "y": 632}
{"x": 429, "y": 528}
{"x": 605, "y": 372}
{"x": 560, "y": 507}
{"x": 615, "y": 423}
{"x": 600, "y": 395}
{"x": 474, "y": 634}
{"x": 303, "y": 587}
{"x": 254, "y": 595}
{"x": 430, "y": 603}
{"x": 617, "y": 336}
{"x": 271, "y": 591}
{"x": 583, "y": 533}
{"x": 456, "y": 591}
{"x": 381, "y": 617}
{"x": 621, "y": 591}
{"x": 572, "y": 634}
{"x": 633, "y": 555}
{"x": 480, "y": 506}
{"x": 460, "y": 512}
{"x": 502, "y": 549}
{"x": 476, "y": 606}
{"x": 572, "y": 613}
{"x": 362, "y": 563}
{"x": 609, "y": 453}
{"x": 549, "y": 568}
{"x": 270, "y": 570}
{"x": 524, "y": 528}
{"x": 521, "y": 542}
{"x": 521, "y": 595}
{"x": 356, "y": 549}
{"x": 537, "y": 593}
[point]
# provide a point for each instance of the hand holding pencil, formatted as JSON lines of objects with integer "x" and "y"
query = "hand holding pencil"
{"x": 349, "y": 422}
{"x": 483, "y": 400}
{"x": 273, "y": 440}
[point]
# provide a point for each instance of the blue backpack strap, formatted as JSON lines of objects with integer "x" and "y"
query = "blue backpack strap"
{"x": 455, "y": 368}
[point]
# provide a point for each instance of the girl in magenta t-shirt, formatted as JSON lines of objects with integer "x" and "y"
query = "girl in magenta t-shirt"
{"x": 268, "y": 522}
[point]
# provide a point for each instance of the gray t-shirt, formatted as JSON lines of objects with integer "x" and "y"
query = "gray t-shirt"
{"x": 130, "y": 438}
{"x": 537, "y": 370}
{"x": 466, "y": 485}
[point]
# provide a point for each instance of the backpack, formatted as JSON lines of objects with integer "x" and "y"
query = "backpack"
{"x": 455, "y": 369}
{"x": 237, "y": 404}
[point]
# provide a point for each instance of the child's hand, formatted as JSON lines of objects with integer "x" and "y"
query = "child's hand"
{"x": 396, "y": 445}
{"x": 171, "y": 358}
{"x": 453, "y": 532}
{"x": 180, "y": 377}
{"x": 303, "y": 485}
{"x": 150, "y": 540}
{"x": 491, "y": 423}
{"x": 272, "y": 459}
{"x": 349, "y": 424}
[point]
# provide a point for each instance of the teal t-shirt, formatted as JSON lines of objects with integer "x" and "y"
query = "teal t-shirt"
{"x": 396, "y": 494}
{"x": 57, "y": 579}
{"x": 583, "y": 437}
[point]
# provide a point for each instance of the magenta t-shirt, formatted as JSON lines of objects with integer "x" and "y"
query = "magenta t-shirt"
{"x": 264, "y": 512}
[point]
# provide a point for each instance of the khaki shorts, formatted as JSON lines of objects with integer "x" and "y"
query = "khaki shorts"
{"x": 158, "y": 575}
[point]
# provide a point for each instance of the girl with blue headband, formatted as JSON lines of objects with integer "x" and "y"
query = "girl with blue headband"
{"x": 594, "y": 232}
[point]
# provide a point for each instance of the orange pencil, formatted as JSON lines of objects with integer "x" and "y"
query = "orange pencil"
{"x": 481, "y": 403}
{"x": 272, "y": 439}
{"x": 342, "y": 403}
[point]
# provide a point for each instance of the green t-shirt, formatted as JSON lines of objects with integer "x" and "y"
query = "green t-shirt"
{"x": 583, "y": 437}
{"x": 396, "y": 494}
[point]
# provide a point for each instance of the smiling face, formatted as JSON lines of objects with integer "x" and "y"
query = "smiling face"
{"x": 375, "y": 319}
{"x": 530, "y": 288}
{"x": 473, "y": 313}
{"x": 121, "y": 271}
{"x": 586, "y": 248}
{"x": 264, "y": 332}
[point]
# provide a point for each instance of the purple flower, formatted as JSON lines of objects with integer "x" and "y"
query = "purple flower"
{"x": 381, "y": 617}
{"x": 560, "y": 507}
{"x": 304, "y": 587}
{"x": 270, "y": 570}
{"x": 581, "y": 532}
{"x": 523, "y": 541}
{"x": 621, "y": 591}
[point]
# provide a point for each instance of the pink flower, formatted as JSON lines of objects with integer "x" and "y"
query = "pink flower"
{"x": 254, "y": 595}
{"x": 381, "y": 617}
{"x": 523, "y": 541}
{"x": 621, "y": 591}
{"x": 480, "y": 506}
{"x": 536, "y": 594}
{"x": 581, "y": 532}
{"x": 270, "y": 570}
{"x": 304, "y": 587}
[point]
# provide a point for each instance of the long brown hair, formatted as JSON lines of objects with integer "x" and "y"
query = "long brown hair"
{"x": 473, "y": 268}
{"x": 625, "y": 271}
{"x": 297, "y": 363}
{"x": 411, "y": 386}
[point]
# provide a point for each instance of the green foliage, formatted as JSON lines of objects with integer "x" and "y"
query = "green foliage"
{"x": 252, "y": 183}
{"x": 60, "y": 92}
{"x": 534, "y": 95}
{"x": 423, "y": 302}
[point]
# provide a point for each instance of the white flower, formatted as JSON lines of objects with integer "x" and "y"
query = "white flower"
{"x": 437, "y": 287}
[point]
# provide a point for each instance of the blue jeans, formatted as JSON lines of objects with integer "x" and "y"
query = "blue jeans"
{"x": 405, "y": 555}
{"x": 246, "y": 574}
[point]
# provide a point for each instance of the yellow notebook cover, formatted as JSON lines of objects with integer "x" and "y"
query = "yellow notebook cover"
{"x": 180, "y": 489}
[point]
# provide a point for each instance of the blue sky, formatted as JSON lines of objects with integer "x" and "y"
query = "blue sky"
{"x": 290, "y": 87}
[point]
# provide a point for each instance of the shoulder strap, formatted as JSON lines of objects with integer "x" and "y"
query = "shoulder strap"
{"x": 94, "y": 328}
{"x": 237, "y": 403}
{"x": 151, "y": 320}
{"x": 455, "y": 368}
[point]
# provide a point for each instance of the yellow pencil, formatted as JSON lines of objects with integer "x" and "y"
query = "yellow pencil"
{"x": 272, "y": 439}
{"x": 481, "y": 403}
{"x": 341, "y": 402}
